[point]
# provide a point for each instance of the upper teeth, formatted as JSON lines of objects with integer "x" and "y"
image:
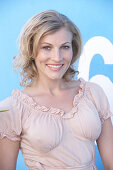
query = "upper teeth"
{"x": 55, "y": 66}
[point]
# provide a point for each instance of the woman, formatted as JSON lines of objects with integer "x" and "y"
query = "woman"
{"x": 55, "y": 120}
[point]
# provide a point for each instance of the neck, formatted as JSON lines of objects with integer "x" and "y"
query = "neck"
{"x": 49, "y": 86}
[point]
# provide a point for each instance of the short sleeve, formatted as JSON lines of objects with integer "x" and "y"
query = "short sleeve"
{"x": 100, "y": 100}
{"x": 10, "y": 120}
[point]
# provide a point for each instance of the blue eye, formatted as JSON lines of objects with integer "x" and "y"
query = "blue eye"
{"x": 65, "y": 47}
{"x": 46, "y": 47}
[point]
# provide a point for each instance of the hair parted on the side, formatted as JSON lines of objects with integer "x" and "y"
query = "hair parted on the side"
{"x": 37, "y": 27}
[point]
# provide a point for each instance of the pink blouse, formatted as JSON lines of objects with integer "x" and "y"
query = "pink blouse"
{"x": 51, "y": 139}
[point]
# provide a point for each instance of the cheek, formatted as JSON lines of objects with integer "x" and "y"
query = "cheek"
{"x": 40, "y": 58}
{"x": 69, "y": 56}
{"x": 69, "y": 59}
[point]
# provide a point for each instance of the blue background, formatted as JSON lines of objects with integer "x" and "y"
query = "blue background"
{"x": 94, "y": 18}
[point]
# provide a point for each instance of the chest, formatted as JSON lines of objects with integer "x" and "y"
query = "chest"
{"x": 64, "y": 101}
{"x": 45, "y": 131}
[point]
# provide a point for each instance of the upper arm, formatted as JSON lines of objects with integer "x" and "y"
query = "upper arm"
{"x": 10, "y": 132}
{"x": 105, "y": 140}
{"x": 105, "y": 144}
{"x": 8, "y": 154}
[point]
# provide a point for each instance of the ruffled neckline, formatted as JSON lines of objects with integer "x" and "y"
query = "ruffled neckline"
{"x": 52, "y": 110}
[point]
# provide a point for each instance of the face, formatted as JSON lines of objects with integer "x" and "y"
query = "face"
{"x": 54, "y": 54}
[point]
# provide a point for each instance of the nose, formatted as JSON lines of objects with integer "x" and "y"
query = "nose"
{"x": 57, "y": 56}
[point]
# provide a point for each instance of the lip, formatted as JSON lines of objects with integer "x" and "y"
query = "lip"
{"x": 54, "y": 64}
{"x": 55, "y": 67}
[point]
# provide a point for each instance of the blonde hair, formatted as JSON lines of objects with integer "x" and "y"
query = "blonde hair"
{"x": 38, "y": 26}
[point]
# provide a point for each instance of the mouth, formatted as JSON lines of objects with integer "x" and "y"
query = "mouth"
{"x": 55, "y": 67}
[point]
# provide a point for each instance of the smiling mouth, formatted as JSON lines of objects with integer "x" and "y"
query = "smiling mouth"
{"x": 55, "y": 67}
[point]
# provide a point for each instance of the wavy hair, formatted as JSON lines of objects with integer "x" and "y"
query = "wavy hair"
{"x": 37, "y": 27}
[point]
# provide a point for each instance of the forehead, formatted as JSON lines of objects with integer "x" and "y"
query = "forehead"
{"x": 60, "y": 36}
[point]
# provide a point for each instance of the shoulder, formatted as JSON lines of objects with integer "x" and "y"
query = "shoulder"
{"x": 86, "y": 84}
{"x": 73, "y": 83}
{"x": 12, "y": 102}
{"x": 12, "y": 107}
{"x": 93, "y": 85}
{"x": 96, "y": 90}
{"x": 98, "y": 96}
{"x": 10, "y": 118}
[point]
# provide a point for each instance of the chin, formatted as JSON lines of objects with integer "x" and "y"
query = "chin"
{"x": 56, "y": 77}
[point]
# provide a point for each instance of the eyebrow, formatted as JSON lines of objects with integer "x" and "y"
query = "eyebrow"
{"x": 51, "y": 44}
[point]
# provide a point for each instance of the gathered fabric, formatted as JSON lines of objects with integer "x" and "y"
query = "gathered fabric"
{"x": 50, "y": 138}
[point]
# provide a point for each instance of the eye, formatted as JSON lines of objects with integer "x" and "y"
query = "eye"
{"x": 65, "y": 46}
{"x": 46, "y": 47}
